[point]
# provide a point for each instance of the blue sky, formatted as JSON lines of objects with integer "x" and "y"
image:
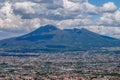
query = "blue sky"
{"x": 18, "y": 17}
{"x": 101, "y": 2}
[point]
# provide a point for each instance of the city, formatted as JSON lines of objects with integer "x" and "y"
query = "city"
{"x": 82, "y": 65}
{"x": 59, "y": 39}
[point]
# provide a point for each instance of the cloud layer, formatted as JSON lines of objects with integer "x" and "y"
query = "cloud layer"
{"x": 22, "y": 16}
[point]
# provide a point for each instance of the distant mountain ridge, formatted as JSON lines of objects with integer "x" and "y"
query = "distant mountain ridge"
{"x": 49, "y": 38}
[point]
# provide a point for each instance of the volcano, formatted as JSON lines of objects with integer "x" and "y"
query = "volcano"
{"x": 49, "y": 38}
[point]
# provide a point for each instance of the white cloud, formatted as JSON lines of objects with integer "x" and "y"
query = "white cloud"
{"x": 26, "y": 15}
{"x": 11, "y": 22}
{"x": 70, "y": 5}
{"x": 103, "y": 30}
{"x": 109, "y": 7}
{"x": 111, "y": 19}
{"x": 47, "y": 9}
{"x": 73, "y": 23}
{"x": 79, "y": 1}
{"x": 26, "y": 6}
{"x": 91, "y": 9}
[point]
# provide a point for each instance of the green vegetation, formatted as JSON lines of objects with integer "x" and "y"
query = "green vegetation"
{"x": 113, "y": 74}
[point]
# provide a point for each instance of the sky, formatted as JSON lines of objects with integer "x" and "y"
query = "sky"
{"x": 18, "y": 17}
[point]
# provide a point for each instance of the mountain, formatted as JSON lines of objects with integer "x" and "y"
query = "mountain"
{"x": 49, "y": 38}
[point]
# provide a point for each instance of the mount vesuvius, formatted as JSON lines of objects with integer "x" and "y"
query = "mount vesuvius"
{"x": 49, "y": 38}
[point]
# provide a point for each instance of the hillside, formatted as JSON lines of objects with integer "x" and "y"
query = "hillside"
{"x": 49, "y": 38}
